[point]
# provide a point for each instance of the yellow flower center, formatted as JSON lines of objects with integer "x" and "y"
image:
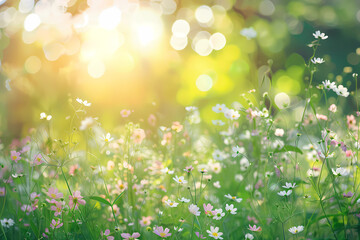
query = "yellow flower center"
{"x": 53, "y": 195}
{"x": 233, "y": 198}
{"x": 14, "y": 157}
{"x": 162, "y": 234}
{"x": 215, "y": 234}
{"x": 180, "y": 180}
{"x": 171, "y": 204}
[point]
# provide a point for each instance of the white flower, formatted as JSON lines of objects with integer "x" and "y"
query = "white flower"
{"x": 237, "y": 151}
{"x": 218, "y": 214}
{"x": 333, "y": 108}
{"x": 7, "y": 223}
{"x": 218, "y": 123}
{"x": 285, "y": 193}
{"x": 214, "y": 233}
{"x": 296, "y": 230}
{"x": 289, "y": 185}
{"x": 230, "y": 208}
{"x": 319, "y": 34}
{"x": 342, "y": 91}
{"x": 249, "y": 236}
{"x": 194, "y": 209}
{"x": 279, "y": 132}
{"x": 171, "y": 203}
{"x": 44, "y": 116}
{"x": 340, "y": 171}
{"x": 249, "y": 33}
{"x": 166, "y": 170}
{"x": 317, "y": 60}
{"x": 86, "y": 123}
{"x": 191, "y": 108}
{"x": 83, "y": 102}
{"x": 219, "y": 155}
{"x": 219, "y": 108}
{"x": 107, "y": 138}
{"x": 233, "y": 198}
{"x": 231, "y": 114}
{"x": 329, "y": 85}
{"x": 217, "y": 184}
{"x": 180, "y": 180}
{"x": 184, "y": 200}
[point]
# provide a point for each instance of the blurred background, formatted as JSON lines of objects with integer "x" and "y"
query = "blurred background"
{"x": 158, "y": 56}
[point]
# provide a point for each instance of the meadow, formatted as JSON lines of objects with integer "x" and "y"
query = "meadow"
{"x": 237, "y": 145}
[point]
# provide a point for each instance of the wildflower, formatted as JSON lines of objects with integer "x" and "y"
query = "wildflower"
{"x": 348, "y": 194}
{"x": 230, "y": 208}
{"x": 231, "y": 114}
{"x": 289, "y": 185}
{"x": 171, "y": 203}
{"x": 217, "y": 184}
{"x": 317, "y": 60}
{"x": 57, "y": 208}
{"x": 199, "y": 235}
{"x": 237, "y": 151}
{"x": 166, "y": 138}
{"x": 127, "y": 236}
{"x": 329, "y": 85}
{"x": 254, "y": 228}
{"x": 219, "y": 155}
{"x": 54, "y": 193}
{"x": 342, "y": 91}
{"x": 161, "y": 232}
{"x": 7, "y": 223}
{"x": 167, "y": 171}
{"x": 107, "y": 138}
{"x": 188, "y": 169}
{"x": 177, "y": 127}
{"x": 194, "y": 210}
{"x": 279, "y": 132}
{"x": 45, "y": 116}
{"x": 214, "y": 232}
{"x": 38, "y": 159}
{"x": 76, "y": 199}
{"x": 15, "y": 156}
{"x": 285, "y": 193}
{"x": 218, "y": 122}
{"x": 208, "y": 209}
{"x": 86, "y": 123}
{"x": 340, "y": 171}
{"x": 218, "y": 214}
{"x": 319, "y": 34}
{"x": 321, "y": 117}
{"x": 191, "y": 108}
{"x": 234, "y": 198}
{"x": 138, "y": 135}
{"x": 2, "y": 191}
{"x": 249, "y": 236}
{"x": 296, "y": 230}
{"x": 219, "y": 108}
{"x": 125, "y": 113}
{"x": 83, "y": 102}
{"x": 249, "y": 33}
{"x": 56, "y": 224}
{"x": 180, "y": 180}
{"x": 178, "y": 229}
{"x": 184, "y": 200}
{"x": 145, "y": 221}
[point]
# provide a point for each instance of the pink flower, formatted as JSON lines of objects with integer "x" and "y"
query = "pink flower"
{"x": 106, "y": 234}
{"x": 15, "y": 156}
{"x": 145, "y": 221}
{"x": 254, "y": 228}
{"x": 348, "y": 195}
{"x": 73, "y": 169}
{"x": 208, "y": 208}
{"x": 351, "y": 122}
{"x": 321, "y": 117}
{"x": 55, "y": 224}
{"x": 199, "y": 236}
{"x": 138, "y": 135}
{"x": 38, "y": 159}
{"x": 127, "y": 236}
{"x": 348, "y": 153}
{"x": 76, "y": 199}
{"x": 166, "y": 138}
{"x": 2, "y": 191}
{"x": 57, "y": 208}
{"x": 44, "y": 234}
{"x": 188, "y": 169}
{"x": 125, "y": 112}
{"x": 177, "y": 127}
{"x": 54, "y": 193}
{"x": 152, "y": 120}
{"x": 161, "y": 232}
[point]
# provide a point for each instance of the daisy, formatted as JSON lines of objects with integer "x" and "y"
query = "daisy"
{"x": 180, "y": 180}
{"x": 127, "y": 236}
{"x": 289, "y": 185}
{"x": 83, "y": 102}
{"x": 237, "y": 151}
{"x": 15, "y": 156}
{"x": 218, "y": 122}
{"x": 231, "y": 114}
{"x": 171, "y": 203}
{"x": 317, "y": 60}
{"x": 340, "y": 171}
{"x": 249, "y": 236}
{"x": 230, "y": 208}
{"x": 341, "y": 91}
{"x": 44, "y": 116}
{"x": 208, "y": 209}
{"x": 107, "y": 138}
{"x": 219, "y": 108}
{"x": 284, "y": 193}
{"x": 184, "y": 200}
{"x": 125, "y": 113}
{"x": 7, "y": 223}
{"x": 218, "y": 214}
{"x": 167, "y": 171}
{"x": 214, "y": 232}
{"x": 296, "y": 230}
{"x": 194, "y": 209}
{"x": 329, "y": 85}
{"x": 234, "y": 198}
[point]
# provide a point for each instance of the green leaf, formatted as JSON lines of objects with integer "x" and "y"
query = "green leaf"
{"x": 100, "y": 199}
{"x": 288, "y": 148}
{"x": 118, "y": 197}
